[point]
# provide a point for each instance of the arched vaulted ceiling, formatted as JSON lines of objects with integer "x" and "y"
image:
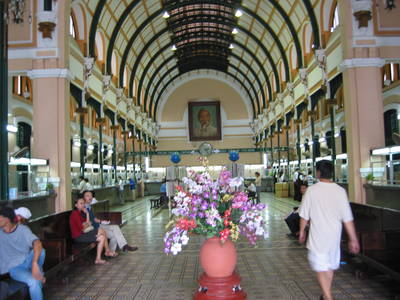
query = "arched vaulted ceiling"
{"x": 201, "y": 31}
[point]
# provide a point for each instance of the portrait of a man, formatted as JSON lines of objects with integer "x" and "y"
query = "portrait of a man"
{"x": 204, "y": 121}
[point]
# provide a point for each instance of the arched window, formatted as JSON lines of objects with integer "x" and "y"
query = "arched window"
{"x": 343, "y": 139}
{"x": 99, "y": 41}
{"x": 114, "y": 64}
{"x": 391, "y": 126}
{"x": 293, "y": 58}
{"x": 125, "y": 83}
{"x": 22, "y": 87}
{"x": 282, "y": 71}
{"x": 72, "y": 27}
{"x": 335, "y": 18}
{"x": 390, "y": 74}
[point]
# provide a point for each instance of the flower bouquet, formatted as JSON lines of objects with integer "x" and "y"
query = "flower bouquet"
{"x": 214, "y": 209}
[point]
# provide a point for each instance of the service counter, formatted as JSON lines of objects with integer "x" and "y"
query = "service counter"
{"x": 40, "y": 204}
{"x": 152, "y": 187}
{"x": 383, "y": 195}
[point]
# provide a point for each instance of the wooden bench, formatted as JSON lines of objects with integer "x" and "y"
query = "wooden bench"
{"x": 158, "y": 202}
{"x": 54, "y": 233}
{"x": 378, "y": 230}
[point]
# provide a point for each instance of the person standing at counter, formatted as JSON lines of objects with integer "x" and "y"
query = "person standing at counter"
{"x": 82, "y": 184}
{"x": 21, "y": 253}
{"x": 88, "y": 186}
{"x": 121, "y": 186}
{"x": 258, "y": 186}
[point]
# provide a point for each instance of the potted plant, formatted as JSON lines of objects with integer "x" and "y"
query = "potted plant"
{"x": 370, "y": 178}
{"x": 221, "y": 212}
{"x": 50, "y": 188}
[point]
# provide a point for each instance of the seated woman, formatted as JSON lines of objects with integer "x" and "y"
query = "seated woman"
{"x": 82, "y": 231}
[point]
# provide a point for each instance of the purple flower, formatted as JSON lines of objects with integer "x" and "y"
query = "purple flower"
{"x": 204, "y": 205}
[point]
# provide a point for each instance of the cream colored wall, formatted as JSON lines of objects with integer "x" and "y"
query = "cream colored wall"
{"x": 215, "y": 159}
{"x": 231, "y": 102}
{"x": 235, "y": 120}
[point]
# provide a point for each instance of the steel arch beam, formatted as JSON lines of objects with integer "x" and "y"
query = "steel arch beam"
{"x": 160, "y": 33}
{"x": 267, "y": 54}
{"x": 155, "y": 104}
{"x": 130, "y": 7}
{"x": 172, "y": 57}
{"x": 232, "y": 54}
{"x": 233, "y": 66}
{"x": 272, "y": 62}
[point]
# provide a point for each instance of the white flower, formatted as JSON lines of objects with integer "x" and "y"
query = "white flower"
{"x": 235, "y": 182}
{"x": 184, "y": 239}
{"x": 176, "y": 248}
{"x": 259, "y": 231}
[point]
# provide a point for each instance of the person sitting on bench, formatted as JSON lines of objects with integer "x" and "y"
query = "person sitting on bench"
{"x": 21, "y": 253}
{"x": 251, "y": 192}
{"x": 293, "y": 219}
{"x": 82, "y": 231}
{"x": 23, "y": 214}
{"x": 114, "y": 233}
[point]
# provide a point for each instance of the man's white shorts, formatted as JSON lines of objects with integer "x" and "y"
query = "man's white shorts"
{"x": 321, "y": 262}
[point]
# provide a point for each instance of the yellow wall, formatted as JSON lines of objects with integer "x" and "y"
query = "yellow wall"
{"x": 231, "y": 102}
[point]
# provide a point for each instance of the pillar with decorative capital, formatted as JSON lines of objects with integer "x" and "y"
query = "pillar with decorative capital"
{"x": 51, "y": 111}
{"x": 51, "y": 127}
{"x": 364, "y": 118}
{"x": 362, "y": 85}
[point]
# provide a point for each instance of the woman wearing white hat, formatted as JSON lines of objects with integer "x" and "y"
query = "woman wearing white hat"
{"x": 22, "y": 214}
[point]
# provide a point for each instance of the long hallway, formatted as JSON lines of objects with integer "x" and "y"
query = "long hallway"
{"x": 277, "y": 269}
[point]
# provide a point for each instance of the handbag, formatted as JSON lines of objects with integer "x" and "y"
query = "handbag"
{"x": 88, "y": 228}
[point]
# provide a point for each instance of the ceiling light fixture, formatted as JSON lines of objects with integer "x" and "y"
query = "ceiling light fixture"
{"x": 173, "y": 48}
{"x": 231, "y": 46}
{"x": 235, "y": 31}
{"x": 165, "y": 15}
{"x": 238, "y": 13}
{"x": 12, "y": 128}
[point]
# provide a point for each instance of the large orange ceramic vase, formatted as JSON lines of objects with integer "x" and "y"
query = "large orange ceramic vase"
{"x": 218, "y": 259}
{"x": 219, "y": 280}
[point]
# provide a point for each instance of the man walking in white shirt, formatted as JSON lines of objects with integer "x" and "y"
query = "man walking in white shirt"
{"x": 326, "y": 207}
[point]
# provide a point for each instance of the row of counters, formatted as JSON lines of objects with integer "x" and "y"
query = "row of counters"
{"x": 44, "y": 204}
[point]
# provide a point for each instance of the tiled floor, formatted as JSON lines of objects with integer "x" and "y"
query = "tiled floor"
{"x": 276, "y": 269}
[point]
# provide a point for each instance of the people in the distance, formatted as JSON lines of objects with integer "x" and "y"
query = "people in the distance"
{"x": 88, "y": 186}
{"x": 114, "y": 232}
{"x": 293, "y": 219}
{"x": 82, "y": 184}
{"x": 22, "y": 214}
{"x": 121, "y": 186}
{"x": 206, "y": 129}
{"x": 310, "y": 179}
{"x": 251, "y": 191}
{"x": 326, "y": 207}
{"x": 82, "y": 231}
{"x": 163, "y": 192}
{"x": 258, "y": 186}
{"x": 21, "y": 253}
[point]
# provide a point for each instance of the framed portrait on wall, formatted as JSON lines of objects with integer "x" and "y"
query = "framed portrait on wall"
{"x": 204, "y": 121}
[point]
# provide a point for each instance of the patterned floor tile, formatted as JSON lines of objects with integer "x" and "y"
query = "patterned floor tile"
{"x": 277, "y": 269}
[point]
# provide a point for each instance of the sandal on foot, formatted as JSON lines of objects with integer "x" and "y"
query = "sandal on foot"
{"x": 101, "y": 262}
{"x": 111, "y": 254}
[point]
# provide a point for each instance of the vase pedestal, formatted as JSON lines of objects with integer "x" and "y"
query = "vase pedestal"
{"x": 219, "y": 288}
